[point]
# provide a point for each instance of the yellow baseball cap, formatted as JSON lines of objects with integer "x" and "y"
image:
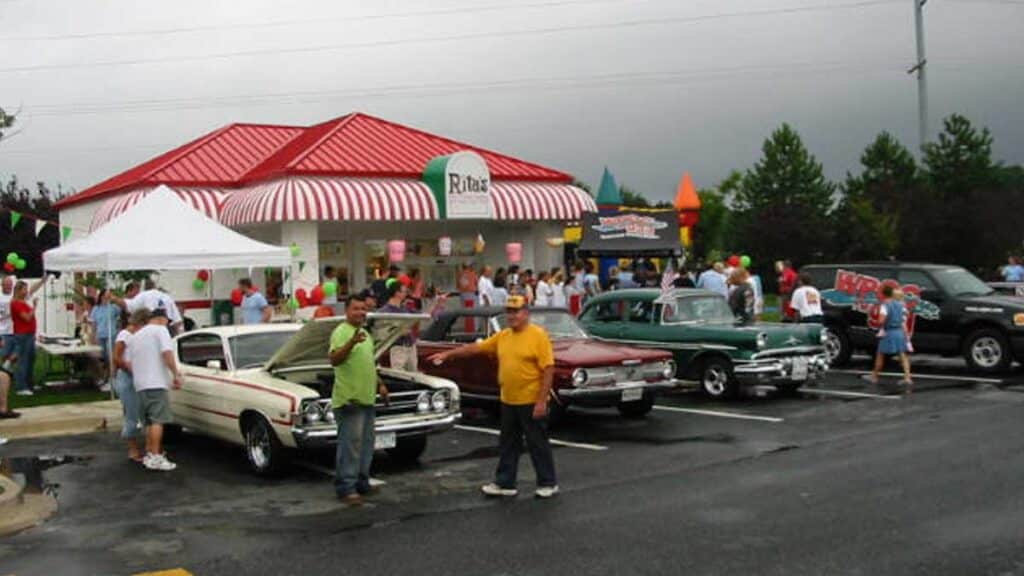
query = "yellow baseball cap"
{"x": 515, "y": 302}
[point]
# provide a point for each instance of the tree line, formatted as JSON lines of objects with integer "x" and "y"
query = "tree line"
{"x": 956, "y": 206}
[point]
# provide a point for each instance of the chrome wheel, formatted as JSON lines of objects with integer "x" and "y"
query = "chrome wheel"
{"x": 833, "y": 345}
{"x": 257, "y": 444}
{"x": 987, "y": 352}
{"x": 716, "y": 379}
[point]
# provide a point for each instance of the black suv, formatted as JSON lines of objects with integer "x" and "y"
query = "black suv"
{"x": 955, "y": 313}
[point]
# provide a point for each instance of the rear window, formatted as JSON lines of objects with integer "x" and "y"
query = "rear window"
{"x": 821, "y": 277}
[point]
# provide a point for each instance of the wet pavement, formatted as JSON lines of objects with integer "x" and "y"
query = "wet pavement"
{"x": 807, "y": 483}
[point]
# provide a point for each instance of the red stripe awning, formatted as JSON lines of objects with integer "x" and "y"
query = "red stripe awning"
{"x": 206, "y": 200}
{"x": 539, "y": 201}
{"x": 308, "y": 198}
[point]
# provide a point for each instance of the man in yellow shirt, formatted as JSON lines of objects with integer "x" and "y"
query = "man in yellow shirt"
{"x": 526, "y": 368}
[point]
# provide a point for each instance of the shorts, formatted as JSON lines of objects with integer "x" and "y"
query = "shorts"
{"x": 131, "y": 428}
{"x": 155, "y": 407}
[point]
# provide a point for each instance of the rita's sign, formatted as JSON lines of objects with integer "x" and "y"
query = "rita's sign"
{"x": 864, "y": 294}
{"x": 461, "y": 184}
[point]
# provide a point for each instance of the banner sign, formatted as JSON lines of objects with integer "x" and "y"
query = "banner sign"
{"x": 863, "y": 293}
{"x": 461, "y": 184}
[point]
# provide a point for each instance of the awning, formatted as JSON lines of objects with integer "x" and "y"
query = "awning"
{"x": 539, "y": 201}
{"x": 299, "y": 198}
{"x": 631, "y": 234}
{"x": 205, "y": 200}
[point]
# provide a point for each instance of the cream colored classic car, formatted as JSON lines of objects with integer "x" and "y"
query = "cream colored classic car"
{"x": 268, "y": 388}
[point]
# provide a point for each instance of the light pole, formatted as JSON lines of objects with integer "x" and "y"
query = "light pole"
{"x": 919, "y": 68}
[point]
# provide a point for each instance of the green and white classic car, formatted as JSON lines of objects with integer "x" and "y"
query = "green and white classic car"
{"x": 709, "y": 347}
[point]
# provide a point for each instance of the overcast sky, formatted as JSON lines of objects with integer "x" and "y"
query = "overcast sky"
{"x": 650, "y": 88}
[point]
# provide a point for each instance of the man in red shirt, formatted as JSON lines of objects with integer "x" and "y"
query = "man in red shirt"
{"x": 787, "y": 283}
{"x": 24, "y": 317}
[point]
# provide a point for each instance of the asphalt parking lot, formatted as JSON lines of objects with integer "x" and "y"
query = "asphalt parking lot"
{"x": 843, "y": 478}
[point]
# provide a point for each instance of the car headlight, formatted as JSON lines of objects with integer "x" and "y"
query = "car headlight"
{"x": 329, "y": 416}
{"x": 762, "y": 340}
{"x": 823, "y": 336}
{"x": 423, "y": 402}
{"x": 579, "y": 377}
{"x": 1018, "y": 319}
{"x": 669, "y": 371}
{"x": 311, "y": 413}
{"x": 439, "y": 401}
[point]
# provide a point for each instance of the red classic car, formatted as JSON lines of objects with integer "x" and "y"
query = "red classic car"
{"x": 587, "y": 372}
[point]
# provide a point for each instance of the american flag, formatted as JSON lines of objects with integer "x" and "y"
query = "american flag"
{"x": 668, "y": 278}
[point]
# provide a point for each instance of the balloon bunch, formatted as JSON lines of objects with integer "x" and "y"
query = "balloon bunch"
{"x": 736, "y": 261}
{"x": 14, "y": 262}
{"x": 202, "y": 277}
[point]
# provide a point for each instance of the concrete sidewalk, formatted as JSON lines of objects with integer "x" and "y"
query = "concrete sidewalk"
{"x": 63, "y": 419}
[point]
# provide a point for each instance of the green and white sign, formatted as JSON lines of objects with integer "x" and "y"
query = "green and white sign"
{"x": 461, "y": 183}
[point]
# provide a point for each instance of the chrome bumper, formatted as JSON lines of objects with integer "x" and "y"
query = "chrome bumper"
{"x": 324, "y": 435}
{"x": 613, "y": 392}
{"x": 776, "y": 369}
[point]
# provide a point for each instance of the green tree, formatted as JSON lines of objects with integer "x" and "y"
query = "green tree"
{"x": 782, "y": 203}
{"x": 635, "y": 199}
{"x": 712, "y": 233}
{"x": 6, "y": 121}
{"x": 32, "y": 204}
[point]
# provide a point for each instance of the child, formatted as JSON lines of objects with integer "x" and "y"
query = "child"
{"x": 893, "y": 334}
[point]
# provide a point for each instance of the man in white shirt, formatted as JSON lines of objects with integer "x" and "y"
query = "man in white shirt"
{"x": 806, "y": 301}
{"x": 485, "y": 287}
{"x": 151, "y": 299}
{"x": 545, "y": 292}
{"x": 154, "y": 372}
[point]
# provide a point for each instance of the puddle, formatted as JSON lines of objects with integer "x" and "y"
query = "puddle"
{"x": 28, "y": 472}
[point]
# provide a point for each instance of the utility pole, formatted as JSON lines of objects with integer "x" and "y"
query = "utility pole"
{"x": 919, "y": 68}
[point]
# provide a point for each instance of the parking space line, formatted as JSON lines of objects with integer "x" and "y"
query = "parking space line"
{"x": 493, "y": 432}
{"x": 736, "y": 415}
{"x": 920, "y": 376}
{"x": 847, "y": 394}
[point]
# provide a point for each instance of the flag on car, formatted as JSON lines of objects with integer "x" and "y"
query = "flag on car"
{"x": 668, "y": 278}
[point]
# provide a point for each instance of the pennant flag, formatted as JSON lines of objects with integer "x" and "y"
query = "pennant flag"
{"x": 65, "y": 233}
{"x": 15, "y": 217}
{"x": 302, "y": 264}
{"x": 668, "y": 278}
{"x": 40, "y": 224}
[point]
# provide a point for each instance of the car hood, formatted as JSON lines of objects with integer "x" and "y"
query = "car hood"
{"x": 311, "y": 344}
{"x": 590, "y": 353}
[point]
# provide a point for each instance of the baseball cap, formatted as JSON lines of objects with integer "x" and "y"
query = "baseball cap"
{"x": 515, "y": 303}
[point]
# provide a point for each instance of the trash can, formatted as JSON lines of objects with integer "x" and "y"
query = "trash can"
{"x": 223, "y": 313}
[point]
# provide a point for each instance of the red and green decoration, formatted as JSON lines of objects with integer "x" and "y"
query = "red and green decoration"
{"x": 14, "y": 262}
{"x": 202, "y": 277}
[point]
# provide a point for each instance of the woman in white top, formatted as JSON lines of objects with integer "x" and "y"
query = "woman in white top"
{"x": 131, "y": 430}
{"x": 499, "y": 295}
{"x": 545, "y": 293}
{"x": 558, "y": 290}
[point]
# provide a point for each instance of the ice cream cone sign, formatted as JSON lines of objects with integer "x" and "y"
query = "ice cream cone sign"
{"x": 687, "y": 202}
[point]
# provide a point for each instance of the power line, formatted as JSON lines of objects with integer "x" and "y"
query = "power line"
{"x": 303, "y": 21}
{"x": 561, "y": 82}
{"x": 462, "y": 37}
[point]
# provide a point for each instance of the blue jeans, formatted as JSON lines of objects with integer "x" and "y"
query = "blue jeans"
{"x": 25, "y": 348}
{"x": 129, "y": 398}
{"x": 517, "y": 422}
{"x": 355, "y": 449}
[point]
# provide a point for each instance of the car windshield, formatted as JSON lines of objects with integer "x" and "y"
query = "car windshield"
{"x": 959, "y": 282}
{"x": 559, "y": 324}
{"x": 253, "y": 350}
{"x": 700, "y": 309}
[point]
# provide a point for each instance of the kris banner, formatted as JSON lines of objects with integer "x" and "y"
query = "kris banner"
{"x": 631, "y": 233}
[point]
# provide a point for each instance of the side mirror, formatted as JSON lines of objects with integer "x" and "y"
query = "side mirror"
{"x": 214, "y": 364}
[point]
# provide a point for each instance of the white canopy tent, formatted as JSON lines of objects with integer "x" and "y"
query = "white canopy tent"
{"x": 162, "y": 232}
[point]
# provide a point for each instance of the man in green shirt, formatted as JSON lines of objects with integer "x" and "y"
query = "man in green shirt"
{"x": 355, "y": 392}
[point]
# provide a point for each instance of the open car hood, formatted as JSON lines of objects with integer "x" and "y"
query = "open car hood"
{"x": 311, "y": 344}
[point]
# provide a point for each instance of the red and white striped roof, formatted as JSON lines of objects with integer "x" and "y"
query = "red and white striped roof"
{"x": 539, "y": 201}
{"x": 206, "y": 200}
{"x": 299, "y": 198}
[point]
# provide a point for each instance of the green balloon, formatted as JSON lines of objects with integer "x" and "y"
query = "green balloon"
{"x": 293, "y": 303}
{"x": 198, "y": 285}
{"x": 20, "y": 264}
{"x": 330, "y": 288}
{"x": 391, "y": 282}
{"x": 295, "y": 250}
{"x": 745, "y": 261}
{"x": 12, "y": 257}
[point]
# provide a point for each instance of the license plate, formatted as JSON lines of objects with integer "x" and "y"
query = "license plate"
{"x": 800, "y": 369}
{"x": 384, "y": 440}
{"x": 632, "y": 394}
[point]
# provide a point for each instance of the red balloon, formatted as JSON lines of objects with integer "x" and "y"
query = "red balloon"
{"x": 404, "y": 280}
{"x": 301, "y": 293}
{"x": 733, "y": 261}
{"x": 203, "y": 275}
{"x": 8, "y": 267}
{"x": 317, "y": 295}
{"x": 236, "y": 296}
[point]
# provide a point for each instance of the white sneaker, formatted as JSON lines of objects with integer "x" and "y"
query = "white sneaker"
{"x": 105, "y": 387}
{"x": 25, "y": 393}
{"x": 493, "y": 489}
{"x": 158, "y": 462}
{"x": 3, "y": 440}
{"x": 546, "y": 491}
